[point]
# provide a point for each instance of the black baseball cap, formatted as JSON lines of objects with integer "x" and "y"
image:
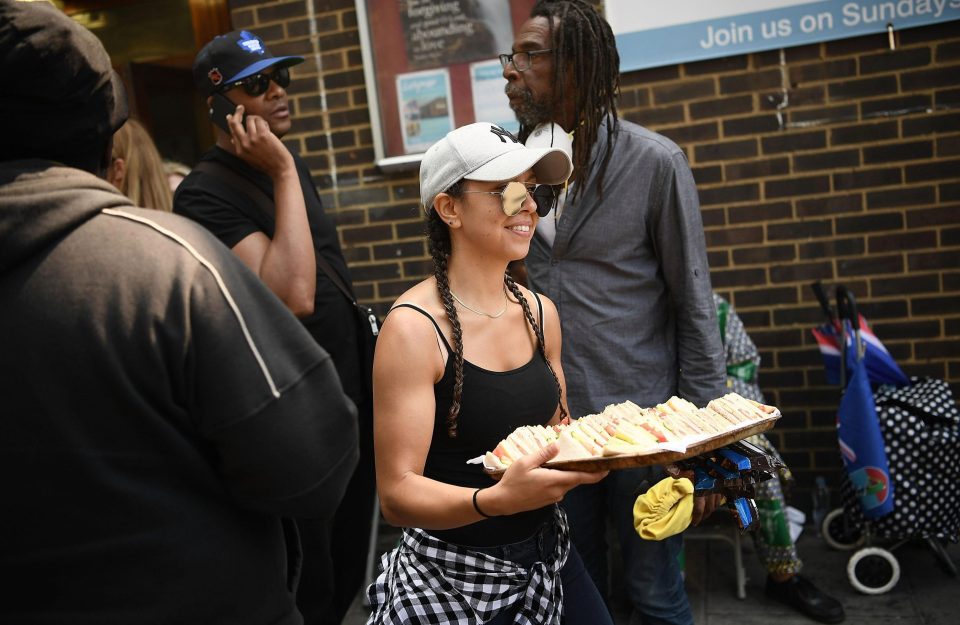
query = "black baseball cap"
{"x": 60, "y": 90}
{"x": 232, "y": 57}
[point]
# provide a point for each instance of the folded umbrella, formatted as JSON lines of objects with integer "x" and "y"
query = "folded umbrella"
{"x": 880, "y": 365}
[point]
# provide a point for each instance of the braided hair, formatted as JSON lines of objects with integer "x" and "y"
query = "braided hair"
{"x": 438, "y": 238}
{"x": 584, "y": 47}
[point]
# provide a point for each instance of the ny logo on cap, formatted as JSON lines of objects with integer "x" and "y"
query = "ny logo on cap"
{"x": 503, "y": 134}
{"x": 250, "y": 43}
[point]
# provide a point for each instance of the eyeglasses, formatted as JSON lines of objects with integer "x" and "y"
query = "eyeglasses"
{"x": 515, "y": 194}
{"x": 259, "y": 83}
{"x": 521, "y": 60}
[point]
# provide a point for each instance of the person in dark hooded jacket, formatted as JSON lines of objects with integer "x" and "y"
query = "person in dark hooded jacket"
{"x": 163, "y": 410}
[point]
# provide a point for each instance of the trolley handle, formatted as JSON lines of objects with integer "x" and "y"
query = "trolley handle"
{"x": 824, "y": 302}
{"x": 847, "y": 307}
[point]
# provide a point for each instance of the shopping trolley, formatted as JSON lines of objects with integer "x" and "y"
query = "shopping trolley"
{"x": 904, "y": 484}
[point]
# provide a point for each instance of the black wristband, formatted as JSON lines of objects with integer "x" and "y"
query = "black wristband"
{"x": 477, "y": 506}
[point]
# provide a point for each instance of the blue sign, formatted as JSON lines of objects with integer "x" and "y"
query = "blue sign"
{"x": 652, "y": 34}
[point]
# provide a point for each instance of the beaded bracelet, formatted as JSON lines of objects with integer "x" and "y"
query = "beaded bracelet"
{"x": 476, "y": 506}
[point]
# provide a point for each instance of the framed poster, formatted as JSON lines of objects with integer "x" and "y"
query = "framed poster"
{"x": 431, "y": 66}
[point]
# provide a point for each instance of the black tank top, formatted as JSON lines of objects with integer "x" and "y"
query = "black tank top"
{"x": 492, "y": 405}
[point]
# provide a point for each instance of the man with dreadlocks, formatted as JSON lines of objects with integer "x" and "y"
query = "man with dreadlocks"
{"x": 463, "y": 359}
{"x": 624, "y": 258}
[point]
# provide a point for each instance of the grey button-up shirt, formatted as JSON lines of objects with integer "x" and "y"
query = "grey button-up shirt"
{"x": 630, "y": 279}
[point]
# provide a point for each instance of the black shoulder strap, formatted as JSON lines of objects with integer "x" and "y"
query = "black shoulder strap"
{"x": 436, "y": 325}
{"x": 536, "y": 296}
{"x": 219, "y": 170}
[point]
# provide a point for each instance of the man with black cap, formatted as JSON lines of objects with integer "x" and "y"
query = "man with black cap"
{"x": 162, "y": 409}
{"x": 259, "y": 200}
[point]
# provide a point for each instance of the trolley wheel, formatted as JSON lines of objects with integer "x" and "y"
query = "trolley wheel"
{"x": 840, "y": 533}
{"x": 873, "y": 571}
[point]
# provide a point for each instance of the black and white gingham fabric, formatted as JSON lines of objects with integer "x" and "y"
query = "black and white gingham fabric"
{"x": 921, "y": 432}
{"x": 426, "y": 580}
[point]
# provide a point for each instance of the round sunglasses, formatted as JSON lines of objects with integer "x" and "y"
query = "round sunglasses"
{"x": 258, "y": 84}
{"x": 514, "y": 194}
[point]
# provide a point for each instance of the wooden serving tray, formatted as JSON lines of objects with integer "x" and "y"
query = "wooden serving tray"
{"x": 626, "y": 461}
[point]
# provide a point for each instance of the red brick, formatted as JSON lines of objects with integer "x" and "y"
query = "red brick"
{"x": 729, "y": 193}
{"x": 734, "y": 236}
{"x": 870, "y": 266}
{"x": 899, "y": 151}
{"x": 907, "y": 196}
{"x": 863, "y": 87}
{"x": 763, "y": 254}
{"x": 743, "y": 148}
{"x": 801, "y": 272}
{"x": 873, "y": 222}
{"x": 863, "y": 133}
{"x": 794, "y": 187}
{"x": 793, "y": 141}
{"x": 757, "y": 169}
{"x": 922, "y": 261}
{"x": 737, "y": 277}
{"x": 898, "y": 105}
{"x": 832, "y": 248}
{"x": 831, "y": 205}
{"x": 687, "y": 90}
{"x": 880, "y": 287}
{"x": 770, "y": 211}
{"x": 800, "y": 230}
{"x": 832, "y": 159}
{"x": 922, "y": 80}
{"x": 894, "y": 60}
{"x": 765, "y": 297}
{"x": 751, "y": 81}
{"x": 901, "y": 241}
{"x": 720, "y": 107}
{"x": 867, "y": 178}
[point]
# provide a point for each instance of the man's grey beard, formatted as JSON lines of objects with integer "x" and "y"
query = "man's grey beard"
{"x": 530, "y": 113}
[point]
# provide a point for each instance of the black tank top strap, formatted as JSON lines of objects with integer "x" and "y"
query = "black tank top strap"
{"x": 436, "y": 326}
{"x": 536, "y": 296}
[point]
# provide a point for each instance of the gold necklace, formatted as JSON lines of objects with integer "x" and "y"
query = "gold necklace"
{"x": 480, "y": 312}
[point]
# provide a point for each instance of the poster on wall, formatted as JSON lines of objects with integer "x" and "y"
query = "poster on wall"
{"x": 653, "y": 34}
{"x": 454, "y": 31}
{"x": 489, "y": 102}
{"x": 432, "y": 65}
{"x": 426, "y": 114}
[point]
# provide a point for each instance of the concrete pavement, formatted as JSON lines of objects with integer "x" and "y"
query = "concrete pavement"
{"x": 925, "y": 595}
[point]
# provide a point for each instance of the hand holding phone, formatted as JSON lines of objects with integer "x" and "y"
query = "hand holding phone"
{"x": 220, "y": 107}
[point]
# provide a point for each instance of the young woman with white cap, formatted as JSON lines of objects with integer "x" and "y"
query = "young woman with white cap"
{"x": 463, "y": 358}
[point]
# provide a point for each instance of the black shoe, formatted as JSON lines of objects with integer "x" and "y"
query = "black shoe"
{"x": 799, "y": 593}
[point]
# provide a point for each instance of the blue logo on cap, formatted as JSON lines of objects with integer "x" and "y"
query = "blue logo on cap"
{"x": 250, "y": 43}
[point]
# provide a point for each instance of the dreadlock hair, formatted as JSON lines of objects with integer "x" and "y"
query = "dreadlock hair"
{"x": 585, "y": 49}
{"x": 438, "y": 239}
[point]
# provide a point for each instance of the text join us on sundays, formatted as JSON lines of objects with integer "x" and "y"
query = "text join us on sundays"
{"x": 852, "y": 15}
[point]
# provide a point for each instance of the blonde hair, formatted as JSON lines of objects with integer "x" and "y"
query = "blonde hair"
{"x": 145, "y": 181}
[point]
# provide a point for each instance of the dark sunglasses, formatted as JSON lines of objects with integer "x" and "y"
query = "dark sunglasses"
{"x": 514, "y": 194}
{"x": 258, "y": 84}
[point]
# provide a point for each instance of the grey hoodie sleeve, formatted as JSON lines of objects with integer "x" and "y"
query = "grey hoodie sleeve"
{"x": 266, "y": 397}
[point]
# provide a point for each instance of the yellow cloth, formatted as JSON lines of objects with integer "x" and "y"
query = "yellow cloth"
{"x": 664, "y": 510}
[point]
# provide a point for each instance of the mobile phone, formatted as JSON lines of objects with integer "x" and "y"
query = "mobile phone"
{"x": 220, "y": 107}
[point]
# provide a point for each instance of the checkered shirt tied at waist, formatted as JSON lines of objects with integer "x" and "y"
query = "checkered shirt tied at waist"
{"x": 427, "y": 580}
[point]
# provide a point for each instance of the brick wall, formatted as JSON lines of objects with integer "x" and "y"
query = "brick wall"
{"x": 838, "y": 162}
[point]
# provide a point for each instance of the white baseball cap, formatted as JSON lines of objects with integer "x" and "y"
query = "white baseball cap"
{"x": 486, "y": 152}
